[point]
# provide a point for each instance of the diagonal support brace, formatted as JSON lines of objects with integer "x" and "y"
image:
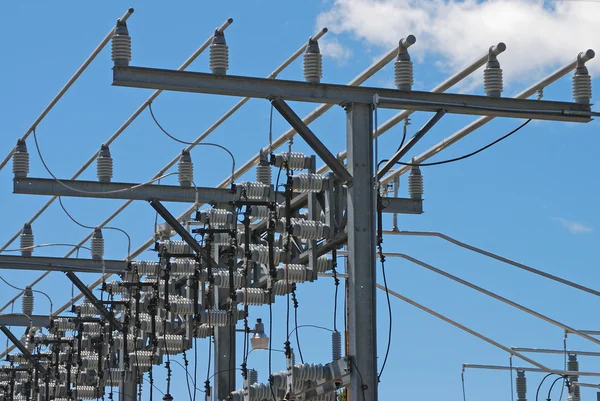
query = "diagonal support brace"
{"x": 175, "y": 225}
{"x": 411, "y": 142}
{"x": 311, "y": 139}
{"x": 95, "y": 301}
{"x": 23, "y": 350}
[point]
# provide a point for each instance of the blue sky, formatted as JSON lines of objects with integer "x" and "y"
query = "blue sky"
{"x": 532, "y": 197}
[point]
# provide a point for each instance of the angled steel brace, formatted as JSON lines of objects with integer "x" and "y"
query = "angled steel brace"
{"x": 95, "y": 301}
{"x": 23, "y": 350}
{"x": 411, "y": 142}
{"x": 183, "y": 233}
{"x": 175, "y": 225}
{"x": 14, "y": 262}
{"x": 311, "y": 139}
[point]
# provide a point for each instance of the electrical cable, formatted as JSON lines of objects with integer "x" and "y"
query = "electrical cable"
{"x": 310, "y": 325}
{"x": 552, "y": 385}
{"x": 47, "y": 245}
{"x": 193, "y": 143}
{"x": 389, "y": 304}
{"x": 270, "y": 347}
{"x": 464, "y": 393}
{"x": 537, "y": 393}
{"x": 62, "y": 206}
{"x": 37, "y": 147}
{"x": 336, "y": 283}
{"x": 512, "y": 391}
{"x": 23, "y": 289}
{"x": 562, "y": 388}
{"x": 464, "y": 156}
{"x": 363, "y": 387}
{"x": 296, "y": 324}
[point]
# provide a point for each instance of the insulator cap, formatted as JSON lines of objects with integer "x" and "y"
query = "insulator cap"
{"x": 415, "y": 183}
{"x": 313, "y": 62}
{"x": 219, "y": 54}
{"x": 20, "y": 159}
{"x": 26, "y": 240}
{"x": 263, "y": 173}
{"x": 336, "y": 345}
{"x": 97, "y": 244}
{"x": 252, "y": 376}
{"x": 582, "y": 85}
{"x": 121, "y": 45}
{"x": 104, "y": 164}
{"x": 185, "y": 169}
{"x": 27, "y": 301}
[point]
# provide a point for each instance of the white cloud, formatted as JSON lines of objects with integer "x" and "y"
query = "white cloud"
{"x": 331, "y": 47}
{"x": 539, "y": 36}
{"x": 573, "y": 227}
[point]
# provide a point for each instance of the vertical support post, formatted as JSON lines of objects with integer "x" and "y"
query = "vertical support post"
{"x": 128, "y": 389}
{"x": 224, "y": 381}
{"x": 361, "y": 254}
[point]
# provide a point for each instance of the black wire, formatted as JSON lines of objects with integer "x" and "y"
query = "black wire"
{"x": 92, "y": 228}
{"x": 389, "y": 304}
{"x": 537, "y": 393}
{"x": 192, "y": 143}
{"x": 195, "y": 366}
{"x": 187, "y": 374}
{"x": 362, "y": 383}
{"x": 465, "y": 156}
{"x": 552, "y": 385}
{"x": 512, "y": 391}
{"x": 270, "y": 346}
{"x": 296, "y": 327}
{"x": 310, "y": 325}
{"x": 462, "y": 377}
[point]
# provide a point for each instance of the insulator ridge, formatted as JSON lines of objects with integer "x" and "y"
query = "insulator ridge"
{"x": 255, "y": 190}
{"x": 307, "y": 229}
{"x": 215, "y": 216}
{"x": 260, "y": 253}
{"x": 224, "y": 279}
{"x": 183, "y": 267}
{"x": 171, "y": 344}
{"x": 262, "y": 212}
{"x": 20, "y": 160}
{"x": 309, "y": 182}
{"x": 27, "y": 302}
{"x": 176, "y": 247}
{"x": 144, "y": 267}
{"x": 104, "y": 164}
{"x": 181, "y": 305}
{"x": 252, "y": 296}
{"x": 264, "y": 173}
{"x": 295, "y": 160}
{"x": 293, "y": 273}
{"x": 26, "y": 240}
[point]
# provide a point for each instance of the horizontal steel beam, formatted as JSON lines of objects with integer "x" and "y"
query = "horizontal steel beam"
{"x": 62, "y": 264}
{"x": 19, "y": 319}
{"x": 402, "y": 205}
{"x": 527, "y": 369}
{"x": 555, "y": 351}
{"x": 197, "y": 82}
{"x": 122, "y": 190}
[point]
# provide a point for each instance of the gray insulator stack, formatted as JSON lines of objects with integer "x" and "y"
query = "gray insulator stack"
{"x": 313, "y": 62}
{"x": 27, "y": 301}
{"x": 121, "y": 45}
{"x": 97, "y": 245}
{"x": 492, "y": 76}
{"x": 20, "y": 160}
{"x": 26, "y": 240}
{"x": 104, "y": 164}
{"x": 185, "y": 169}
{"x": 263, "y": 173}
{"x": 403, "y": 67}
{"x": 336, "y": 345}
{"x": 252, "y": 376}
{"x": 521, "y": 385}
{"x": 219, "y": 54}
{"x": 415, "y": 183}
{"x": 582, "y": 83}
{"x": 573, "y": 366}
